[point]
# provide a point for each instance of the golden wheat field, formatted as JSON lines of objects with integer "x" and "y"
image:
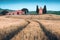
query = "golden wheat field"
{"x": 30, "y": 27}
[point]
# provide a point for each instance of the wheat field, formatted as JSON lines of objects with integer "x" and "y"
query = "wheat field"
{"x": 30, "y": 27}
{"x": 42, "y": 17}
{"x": 31, "y": 32}
{"x": 10, "y": 26}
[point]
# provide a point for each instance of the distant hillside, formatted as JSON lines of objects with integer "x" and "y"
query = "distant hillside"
{"x": 5, "y": 9}
{"x": 54, "y": 12}
{"x": 33, "y": 12}
{"x": 48, "y": 12}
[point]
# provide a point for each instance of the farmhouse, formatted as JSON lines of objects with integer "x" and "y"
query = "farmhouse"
{"x": 18, "y": 12}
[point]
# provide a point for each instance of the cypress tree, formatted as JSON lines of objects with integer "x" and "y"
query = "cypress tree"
{"x": 37, "y": 9}
{"x": 44, "y": 10}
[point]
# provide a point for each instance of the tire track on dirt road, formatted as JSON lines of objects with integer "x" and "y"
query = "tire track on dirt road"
{"x": 48, "y": 34}
{"x": 12, "y": 34}
{"x": 31, "y": 32}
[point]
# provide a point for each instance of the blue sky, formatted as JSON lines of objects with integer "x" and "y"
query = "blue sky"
{"x": 30, "y": 4}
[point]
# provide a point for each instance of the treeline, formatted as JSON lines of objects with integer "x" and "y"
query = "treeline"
{"x": 44, "y": 9}
{"x": 4, "y": 12}
{"x": 53, "y": 12}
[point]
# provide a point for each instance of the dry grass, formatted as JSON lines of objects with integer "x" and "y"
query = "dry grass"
{"x": 31, "y": 32}
{"x": 35, "y": 30}
{"x": 45, "y": 16}
{"x": 8, "y": 25}
{"x": 52, "y": 26}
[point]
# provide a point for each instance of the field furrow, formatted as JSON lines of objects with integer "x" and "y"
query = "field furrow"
{"x": 50, "y": 28}
{"x": 12, "y": 27}
{"x": 43, "y": 17}
{"x": 31, "y": 32}
{"x": 30, "y": 27}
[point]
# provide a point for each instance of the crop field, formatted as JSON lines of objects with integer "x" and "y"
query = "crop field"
{"x": 9, "y": 27}
{"x": 30, "y": 27}
{"x": 31, "y": 32}
{"x": 43, "y": 17}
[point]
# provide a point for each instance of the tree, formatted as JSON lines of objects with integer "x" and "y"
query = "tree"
{"x": 25, "y": 10}
{"x": 44, "y": 10}
{"x": 4, "y": 12}
{"x": 37, "y": 9}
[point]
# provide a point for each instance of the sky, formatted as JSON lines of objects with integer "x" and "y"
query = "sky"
{"x": 53, "y": 5}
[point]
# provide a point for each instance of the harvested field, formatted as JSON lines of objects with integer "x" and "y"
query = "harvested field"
{"x": 8, "y": 27}
{"x": 30, "y": 27}
{"x": 51, "y": 27}
{"x": 31, "y": 32}
{"x": 43, "y": 17}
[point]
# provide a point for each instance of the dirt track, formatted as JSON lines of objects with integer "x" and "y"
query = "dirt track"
{"x": 36, "y": 29}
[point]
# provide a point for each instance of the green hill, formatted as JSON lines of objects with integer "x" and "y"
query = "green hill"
{"x": 6, "y": 9}
{"x": 53, "y": 12}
